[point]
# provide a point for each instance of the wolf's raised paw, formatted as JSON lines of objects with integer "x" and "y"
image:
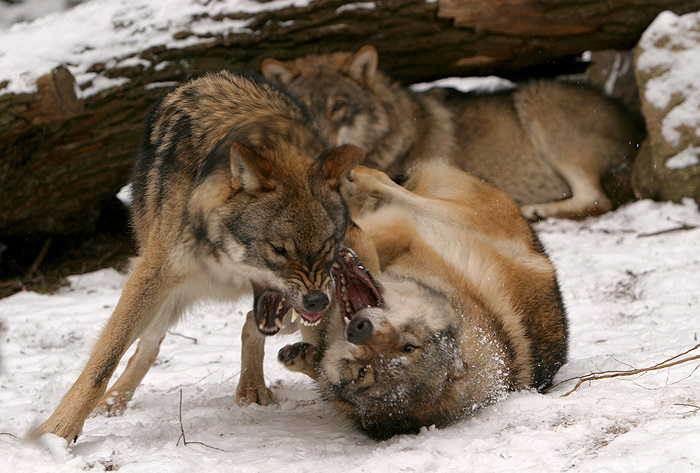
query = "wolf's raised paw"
{"x": 298, "y": 357}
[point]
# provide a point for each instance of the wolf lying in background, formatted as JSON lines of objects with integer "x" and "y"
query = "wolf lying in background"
{"x": 232, "y": 185}
{"x": 460, "y": 304}
{"x": 546, "y": 144}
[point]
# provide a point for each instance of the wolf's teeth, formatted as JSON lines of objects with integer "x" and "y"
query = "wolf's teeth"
{"x": 295, "y": 315}
{"x": 279, "y": 323}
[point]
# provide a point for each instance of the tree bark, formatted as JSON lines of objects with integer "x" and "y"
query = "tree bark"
{"x": 63, "y": 157}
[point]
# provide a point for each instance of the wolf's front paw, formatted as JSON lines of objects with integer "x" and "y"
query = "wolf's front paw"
{"x": 247, "y": 395}
{"x": 298, "y": 357}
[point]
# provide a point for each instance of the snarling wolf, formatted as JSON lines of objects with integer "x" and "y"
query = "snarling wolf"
{"x": 448, "y": 304}
{"x": 232, "y": 185}
{"x": 547, "y": 144}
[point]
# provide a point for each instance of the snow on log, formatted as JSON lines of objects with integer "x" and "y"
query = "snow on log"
{"x": 66, "y": 148}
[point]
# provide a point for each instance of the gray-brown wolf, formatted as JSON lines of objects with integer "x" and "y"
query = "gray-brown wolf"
{"x": 546, "y": 144}
{"x": 460, "y": 304}
{"x": 232, "y": 185}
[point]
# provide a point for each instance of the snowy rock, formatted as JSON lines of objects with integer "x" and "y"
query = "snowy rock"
{"x": 668, "y": 75}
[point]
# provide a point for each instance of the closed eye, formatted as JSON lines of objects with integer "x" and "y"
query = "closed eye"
{"x": 280, "y": 250}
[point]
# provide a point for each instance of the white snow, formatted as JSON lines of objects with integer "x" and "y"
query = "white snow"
{"x": 686, "y": 158}
{"x": 100, "y": 31}
{"x": 466, "y": 84}
{"x": 633, "y": 297}
{"x": 670, "y": 48}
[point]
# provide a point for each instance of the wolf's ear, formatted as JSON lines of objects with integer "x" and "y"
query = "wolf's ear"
{"x": 338, "y": 162}
{"x": 250, "y": 171}
{"x": 362, "y": 66}
{"x": 277, "y": 71}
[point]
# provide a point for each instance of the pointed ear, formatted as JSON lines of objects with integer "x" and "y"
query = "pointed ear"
{"x": 250, "y": 171}
{"x": 280, "y": 72}
{"x": 338, "y": 163}
{"x": 362, "y": 66}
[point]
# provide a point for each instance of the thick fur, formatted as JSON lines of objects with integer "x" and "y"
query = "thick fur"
{"x": 547, "y": 144}
{"x": 232, "y": 185}
{"x": 471, "y": 307}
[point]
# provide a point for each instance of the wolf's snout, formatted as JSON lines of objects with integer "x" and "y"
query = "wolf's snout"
{"x": 359, "y": 330}
{"x": 315, "y": 302}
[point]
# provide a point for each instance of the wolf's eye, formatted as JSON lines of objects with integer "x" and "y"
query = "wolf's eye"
{"x": 408, "y": 348}
{"x": 338, "y": 106}
{"x": 280, "y": 250}
{"x": 361, "y": 374}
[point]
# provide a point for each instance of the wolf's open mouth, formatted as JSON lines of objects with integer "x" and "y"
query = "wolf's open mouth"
{"x": 271, "y": 308}
{"x": 355, "y": 288}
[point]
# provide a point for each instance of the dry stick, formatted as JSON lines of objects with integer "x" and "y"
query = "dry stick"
{"x": 183, "y": 336}
{"x": 182, "y": 434}
{"x": 40, "y": 257}
{"x": 615, "y": 374}
{"x": 661, "y": 232}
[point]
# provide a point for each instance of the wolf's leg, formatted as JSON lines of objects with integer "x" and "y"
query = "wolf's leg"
{"x": 115, "y": 399}
{"x": 251, "y": 384}
{"x": 140, "y": 301}
{"x": 363, "y": 181}
{"x": 570, "y": 144}
{"x": 298, "y": 357}
{"x": 588, "y": 197}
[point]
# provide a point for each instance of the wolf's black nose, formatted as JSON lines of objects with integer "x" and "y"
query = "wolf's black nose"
{"x": 315, "y": 302}
{"x": 359, "y": 330}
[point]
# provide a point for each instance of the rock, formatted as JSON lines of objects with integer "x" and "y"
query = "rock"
{"x": 668, "y": 75}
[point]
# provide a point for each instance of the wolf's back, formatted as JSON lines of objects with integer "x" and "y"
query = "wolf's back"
{"x": 188, "y": 133}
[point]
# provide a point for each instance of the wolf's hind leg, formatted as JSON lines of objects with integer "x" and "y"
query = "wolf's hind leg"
{"x": 115, "y": 399}
{"x": 588, "y": 197}
{"x": 141, "y": 300}
{"x": 363, "y": 181}
{"x": 251, "y": 384}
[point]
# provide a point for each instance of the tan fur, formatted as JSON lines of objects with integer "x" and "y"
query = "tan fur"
{"x": 232, "y": 186}
{"x": 455, "y": 257}
{"x": 547, "y": 144}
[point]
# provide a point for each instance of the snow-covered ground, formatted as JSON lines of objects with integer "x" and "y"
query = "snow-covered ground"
{"x": 633, "y": 297}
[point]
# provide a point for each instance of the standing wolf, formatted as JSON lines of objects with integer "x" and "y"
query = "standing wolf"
{"x": 460, "y": 304}
{"x": 232, "y": 185}
{"x": 546, "y": 144}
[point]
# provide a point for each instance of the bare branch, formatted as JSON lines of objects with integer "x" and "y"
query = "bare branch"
{"x": 673, "y": 361}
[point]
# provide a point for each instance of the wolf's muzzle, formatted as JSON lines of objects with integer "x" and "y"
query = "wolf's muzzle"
{"x": 315, "y": 302}
{"x": 359, "y": 330}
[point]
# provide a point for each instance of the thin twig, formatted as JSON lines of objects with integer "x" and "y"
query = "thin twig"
{"x": 183, "y": 336}
{"x": 673, "y": 361}
{"x": 40, "y": 257}
{"x": 185, "y": 442}
{"x": 687, "y": 405}
{"x": 10, "y": 435}
{"x": 669, "y": 230}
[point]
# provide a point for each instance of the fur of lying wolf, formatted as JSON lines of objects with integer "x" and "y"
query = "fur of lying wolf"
{"x": 232, "y": 185}
{"x": 461, "y": 304}
{"x": 547, "y": 144}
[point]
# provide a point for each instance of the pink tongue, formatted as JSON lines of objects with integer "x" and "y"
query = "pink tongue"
{"x": 311, "y": 317}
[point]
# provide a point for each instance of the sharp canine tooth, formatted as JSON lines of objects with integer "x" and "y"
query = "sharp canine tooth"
{"x": 295, "y": 315}
{"x": 279, "y": 323}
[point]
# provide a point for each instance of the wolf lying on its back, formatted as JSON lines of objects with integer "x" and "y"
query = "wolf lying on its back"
{"x": 461, "y": 304}
{"x": 231, "y": 184}
{"x": 546, "y": 144}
